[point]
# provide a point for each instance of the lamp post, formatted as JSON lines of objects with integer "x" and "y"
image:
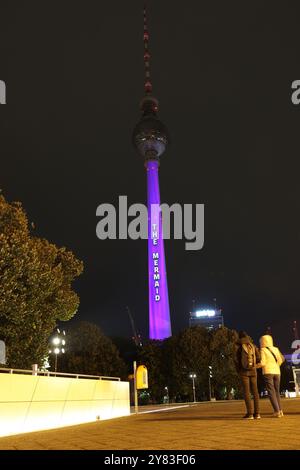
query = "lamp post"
{"x": 209, "y": 380}
{"x": 193, "y": 376}
{"x": 167, "y": 395}
{"x": 59, "y": 343}
{"x": 136, "y": 401}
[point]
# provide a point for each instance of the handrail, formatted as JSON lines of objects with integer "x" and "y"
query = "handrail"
{"x": 62, "y": 374}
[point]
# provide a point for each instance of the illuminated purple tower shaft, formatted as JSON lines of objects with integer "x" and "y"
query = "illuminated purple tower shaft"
{"x": 159, "y": 311}
{"x": 150, "y": 137}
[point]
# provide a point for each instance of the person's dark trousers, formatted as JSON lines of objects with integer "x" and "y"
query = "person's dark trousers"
{"x": 250, "y": 384}
{"x": 272, "y": 382}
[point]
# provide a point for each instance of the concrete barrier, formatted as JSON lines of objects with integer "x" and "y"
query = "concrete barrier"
{"x": 35, "y": 402}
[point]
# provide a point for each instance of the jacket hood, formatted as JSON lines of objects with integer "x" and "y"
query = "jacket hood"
{"x": 266, "y": 341}
{"x": 245, "y": 340}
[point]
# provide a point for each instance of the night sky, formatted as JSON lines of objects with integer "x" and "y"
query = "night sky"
{"x": 222, "y": 72}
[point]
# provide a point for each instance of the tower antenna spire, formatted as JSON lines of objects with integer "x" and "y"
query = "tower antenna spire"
{"x": 147, "y": 82}
{"x": 149, "y": 104}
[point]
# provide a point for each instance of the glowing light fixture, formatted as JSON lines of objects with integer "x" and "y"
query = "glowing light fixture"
{"x": 58, "y": 342}
{"x": 205, "y": 313}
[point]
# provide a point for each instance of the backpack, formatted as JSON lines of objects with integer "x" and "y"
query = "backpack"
{"x": 248, "y": 359}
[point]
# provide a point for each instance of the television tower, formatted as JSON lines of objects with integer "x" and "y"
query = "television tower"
{"x": 150, "y": 138}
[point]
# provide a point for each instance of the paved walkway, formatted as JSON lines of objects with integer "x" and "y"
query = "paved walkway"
{"x": 202, "y": 426}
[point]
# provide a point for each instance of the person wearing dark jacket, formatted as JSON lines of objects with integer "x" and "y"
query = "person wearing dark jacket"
{"x": 247, "y": 357}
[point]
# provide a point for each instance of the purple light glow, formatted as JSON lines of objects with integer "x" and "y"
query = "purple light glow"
{"x": 159, "y": 311}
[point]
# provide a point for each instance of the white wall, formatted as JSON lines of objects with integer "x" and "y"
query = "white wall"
{"x": 32, "y": 403}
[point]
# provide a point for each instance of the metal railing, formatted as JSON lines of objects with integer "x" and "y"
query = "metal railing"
{"x": 55, "y": 374}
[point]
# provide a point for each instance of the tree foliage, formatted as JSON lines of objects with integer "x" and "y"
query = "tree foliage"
{"x": 89, "y": 351}
{"x": 170, "y": 363}
{"x": 224, "y": 375}
{"x": 151, "y": 355}
{"x": 190, "y": 355}
{"x": 35, "y": 287}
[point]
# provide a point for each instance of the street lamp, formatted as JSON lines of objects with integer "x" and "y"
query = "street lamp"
{"x": 209, "y": 380}
{"x": 193, "y": 376}
{"x": 59, "y": 343}
{"x": 167, "y": 395}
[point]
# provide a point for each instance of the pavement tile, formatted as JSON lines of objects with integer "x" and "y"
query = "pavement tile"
{"x": 206, "y": 426}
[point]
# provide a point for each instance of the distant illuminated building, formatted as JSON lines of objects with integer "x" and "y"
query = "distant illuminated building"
{"x": 212, "y": 319}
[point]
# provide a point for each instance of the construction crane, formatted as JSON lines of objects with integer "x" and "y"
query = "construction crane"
{"x": 136, "y": 337}
{"x": 295, "y": 330}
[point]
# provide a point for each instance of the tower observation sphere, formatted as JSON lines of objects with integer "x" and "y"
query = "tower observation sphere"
{"x": 150, "y": 136}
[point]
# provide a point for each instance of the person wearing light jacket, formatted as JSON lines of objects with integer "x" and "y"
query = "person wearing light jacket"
{"x": 271, "y": 360}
